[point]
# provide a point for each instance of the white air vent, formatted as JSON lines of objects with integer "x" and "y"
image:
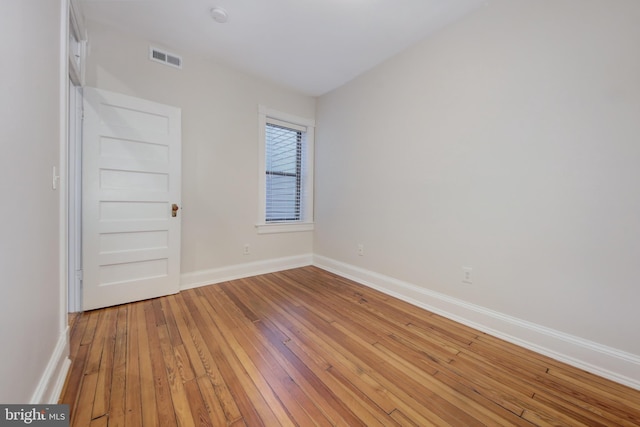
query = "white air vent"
{"x": 163, "y": 57}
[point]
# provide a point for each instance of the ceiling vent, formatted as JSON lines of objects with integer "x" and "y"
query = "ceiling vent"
{"x": 164, "y": 57}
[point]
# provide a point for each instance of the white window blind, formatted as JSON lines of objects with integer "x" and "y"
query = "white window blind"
{"x": 284, "y": 146}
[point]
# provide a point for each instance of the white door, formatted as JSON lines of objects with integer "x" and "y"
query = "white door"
{"x": 131, "y": 152}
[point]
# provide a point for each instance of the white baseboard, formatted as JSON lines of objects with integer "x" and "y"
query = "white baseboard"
{"x": 239, "y": 271}
{"x": 52, "y": 381}
{"x": 607, "y": 362}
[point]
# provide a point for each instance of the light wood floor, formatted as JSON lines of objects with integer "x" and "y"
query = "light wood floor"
{"x": 304, "y": 347}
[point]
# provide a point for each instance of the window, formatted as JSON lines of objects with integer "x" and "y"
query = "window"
{"x": 286, "y": 172}
{"x": 283, "y": 147}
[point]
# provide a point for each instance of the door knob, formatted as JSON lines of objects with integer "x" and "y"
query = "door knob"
{"x": 174, "y": 210}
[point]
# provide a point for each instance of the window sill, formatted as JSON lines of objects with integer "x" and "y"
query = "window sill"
{"x": 284, "y": 227}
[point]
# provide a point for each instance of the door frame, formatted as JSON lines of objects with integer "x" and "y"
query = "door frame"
{"x": 73, "y": 59}
{"x": 74, "y": 226}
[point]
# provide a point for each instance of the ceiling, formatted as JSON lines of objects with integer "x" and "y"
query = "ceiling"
{"x": 312, "y": 46}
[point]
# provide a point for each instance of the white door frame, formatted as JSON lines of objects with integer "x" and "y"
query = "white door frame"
{"x": 75, "y": 200}
{"x": 73, "y": 58}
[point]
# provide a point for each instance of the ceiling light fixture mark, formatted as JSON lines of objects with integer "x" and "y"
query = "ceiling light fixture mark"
{"x": 219, "y": 15}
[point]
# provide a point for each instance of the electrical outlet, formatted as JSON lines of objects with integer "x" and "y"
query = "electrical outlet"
{"x": 466, "y": 275}
{"x": 247, "y": 249}
{"x": 360, "y": 249}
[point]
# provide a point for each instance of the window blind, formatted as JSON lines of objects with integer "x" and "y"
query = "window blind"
{"x": 284, "y": 147}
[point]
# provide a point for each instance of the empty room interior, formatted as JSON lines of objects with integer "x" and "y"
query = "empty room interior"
{"x": 261, "y": 213}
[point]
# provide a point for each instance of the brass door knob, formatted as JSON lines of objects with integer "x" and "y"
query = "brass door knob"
{"x": 174, "y": 210}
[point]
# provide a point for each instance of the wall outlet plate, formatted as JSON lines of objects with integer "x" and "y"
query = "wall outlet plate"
{"x": 466, "y": 275}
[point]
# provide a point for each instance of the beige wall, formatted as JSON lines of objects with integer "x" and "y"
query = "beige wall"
{"x": 508, "y": 142}
{"x": 219, "y": 140}
{"x": 29, "y": 244}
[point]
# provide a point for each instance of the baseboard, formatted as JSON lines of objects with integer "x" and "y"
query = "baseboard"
{"x": 52, "y": 381}
{"x": 239, "y": 271}
{"x": 607, "y": 362}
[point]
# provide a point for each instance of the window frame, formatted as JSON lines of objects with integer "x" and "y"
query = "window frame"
{"x": 278, "y": 118}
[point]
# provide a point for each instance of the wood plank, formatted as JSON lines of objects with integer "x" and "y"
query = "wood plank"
{"x": 318, "y": 335}
{"x": 82, "y": 412}
{"x": 90, "y": 329}
{"x": 231, "y": 373}
{"x": 164, "y": 403}
{"x": 97, "y": 342}
{"x": 466, "y": 364}
{"x": 596, "y": 384}
{"x": 405, "y": 421}
{"x": 276, "y": 370}
{"x": 199, "y": 411}
{"x": 117, "y": 403}
{"x": 170, "y": 320}
{"x": 73, "y": 382}
{"x": 133, "y": 394}
{"x": 158, "y": 314}
{"x": 189, "y": 353}
{"x": 577, "y": 412}
{"x": 147, "y": 386}
{"x": 247, "y": 371}
{"x": 300, "y": 373}
{"x": 176, "y": 387}
{"x": 485, "y": 409}
{"x": 387, "y": 308}
{"x": 105, "y": 372}
{"x": 71, "y": 388}
{"x": 222, "y": 393}
{"x": 345, "y": 404}
{"x": 347, "y": 377}
{"x": 489, "y": 388}
{"x": 211, "y": 402}
{"x": 103, "y": 421}
{"x": 76, "y": 333}
{"x": 340, "y": 401}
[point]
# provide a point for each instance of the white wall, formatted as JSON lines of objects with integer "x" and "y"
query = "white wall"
{"x": 508, "y": 142}
{"x": 219, "y": 140}
{"x": 30, "y": 306}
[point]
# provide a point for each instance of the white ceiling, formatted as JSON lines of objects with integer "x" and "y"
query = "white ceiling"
{"x": 312, "y": 46}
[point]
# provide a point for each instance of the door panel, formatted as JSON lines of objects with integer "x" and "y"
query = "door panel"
{"x": 131, "y": 178}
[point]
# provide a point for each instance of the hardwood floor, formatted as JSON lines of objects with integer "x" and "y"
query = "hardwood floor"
{"x": 308, "y": 348}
